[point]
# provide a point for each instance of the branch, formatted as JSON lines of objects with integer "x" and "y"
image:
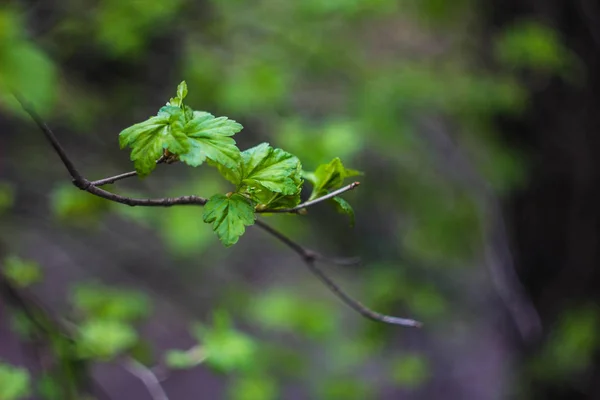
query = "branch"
{"x": 113, "y": 179}
{"x": 148, "y": 378}
{"x": 295, "y": 210}
{"x": 309, "y": 256}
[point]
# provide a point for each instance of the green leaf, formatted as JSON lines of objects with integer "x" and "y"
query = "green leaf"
{"x": 7, "y": 196}
{"x": 256, "y": 386}
{"x": 104, "y": 302}
{"x": 179, "y": 359}
{"x": 229, "y": 216}
{"x": 182, "y": 92}
{"x": 270, "y": 168}
{"x": 209, "y": 137}
{"x": 267, "y": 199}
{"x": 343, "y": 207}
{"x": 14, "y": 382}
{"x": 411, "y": 371}
{"x": 22, "y": 272}
{"x": 149, "y": 139}
{"x": 225, "y": 348}
{"x": 329, "y": 177}
{"x": 105, "y": 339}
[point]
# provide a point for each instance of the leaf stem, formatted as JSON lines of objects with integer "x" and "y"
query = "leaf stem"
{"x": 309, "y": 203}
{"x": 113, "y": 179}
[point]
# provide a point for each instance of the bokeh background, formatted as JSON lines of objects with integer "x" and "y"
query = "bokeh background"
{"x": 476, "y": 123}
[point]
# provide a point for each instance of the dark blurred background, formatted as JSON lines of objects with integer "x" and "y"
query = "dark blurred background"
{"x": 477, "y": 124}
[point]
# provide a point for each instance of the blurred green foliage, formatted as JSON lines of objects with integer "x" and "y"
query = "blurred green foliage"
{"x": 410, "y": 371}
{"x": 14, "y": 382}
{"x": 571, "y": 345}
{"x": 23, "y": 66}
{"x": 21, "y": 272}
{"x": 529, "y": 44}
{"x": 321, "y": 79}
{"x": 226, "y": 349}
{"x": 108, "y": 303}
{"x": 77, "y": 208}
{"x": 7, "y": 197}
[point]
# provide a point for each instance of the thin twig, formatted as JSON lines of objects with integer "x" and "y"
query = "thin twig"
{"x": 314, "y": 201}
{"x": 77, "y": 178}
{"x": 147, "y": 377}
{"x": 310, "y": 257}
{"x": 307, "y": 255}
{"x": 113, "y": 179}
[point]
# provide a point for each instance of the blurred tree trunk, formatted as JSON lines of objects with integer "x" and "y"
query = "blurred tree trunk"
{"x": 555, "y": 218}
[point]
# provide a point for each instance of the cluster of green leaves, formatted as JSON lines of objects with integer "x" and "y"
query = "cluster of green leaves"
{"x": 265, "y": 178}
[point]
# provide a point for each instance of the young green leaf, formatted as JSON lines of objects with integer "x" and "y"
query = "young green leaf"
{"x": 182, "y": 91}
{"x": 270, "y": 168}
{"x": 209, "y": 137}
{"x": 343, "y": 207}
{"x": 229, "y": 216}
{"x": 267, "y": 199}
{"x": 329, "y": 177}
{"x": 149, "y": 139}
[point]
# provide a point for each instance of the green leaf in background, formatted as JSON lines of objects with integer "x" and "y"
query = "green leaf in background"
{"x": 23, "y": 67}
{"x": 225, "y": 348}
{"x": 346, "y": 388}
{"x": 284, "y": 311}
{"x": 529, "y": 44}
{"x": 77, "y": 208}
{"x": 143, "y": 352}
{"x": 410, "y": 371}
{"x": 105, "y": 339}
{"x": 21, "y": 272}
{"x": 7, "y": 196}
{"x": 229, "y": 216}
{"x": 209, "y": 137}
{"x": 49, "y": 387}
{"x": 265, "y": 167}
{"x": 126, "y": 37}
{"x": 185, "y": 359}
{"x": 254, "y": 387}
{"x": 103, "y": 302}
{"x": 14, "y": 382}
{"x": 149, "y": 139}
{"x": 571, "y": 344}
